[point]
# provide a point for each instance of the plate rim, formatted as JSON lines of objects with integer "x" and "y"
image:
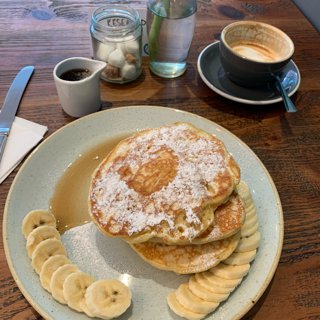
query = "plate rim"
{"x": 266, "y": 281}
{"x": 235, "y": 98}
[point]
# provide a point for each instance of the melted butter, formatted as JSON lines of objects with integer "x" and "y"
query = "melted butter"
{"x": 69, "y": 202}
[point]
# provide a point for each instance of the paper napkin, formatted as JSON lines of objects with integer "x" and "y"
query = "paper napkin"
{"x": 24, "y": 136}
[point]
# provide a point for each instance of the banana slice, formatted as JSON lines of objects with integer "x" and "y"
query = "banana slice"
{"x": 108, "y": 299}
{"x": 85, "y": 308}
{"x": 239, "y": 258}
{"x": 247, "y": 232}
{"x": 251, "y": 224}
{"x": 49, "y": 267}
{"x": 44, "y": 251}
{"x": 249, "y": 243}
{"x": 180, "y": 310}
{"x": 245, "y": 194}
{"x": 188, "y": 300}
{"x": 203, "y": 282}
{"x": 250, "y": 210}
{"x": 243, "y": 191}
{"x": 204, "y": 293}
{"x": 250, "y": 221}
{"x": 230, "y": 272}
{"x": 35, "y": 219}
{"x": 40, "y": 234}
{"x": 74, "y": 289}
{"x": 57, "y": 280}
{"x": 209, "y": 280}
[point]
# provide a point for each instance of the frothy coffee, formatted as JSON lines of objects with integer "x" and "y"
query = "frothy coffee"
{"x": 255, "y": 51}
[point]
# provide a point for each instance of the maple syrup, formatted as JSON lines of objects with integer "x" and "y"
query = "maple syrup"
{"x": 69, "y": 202}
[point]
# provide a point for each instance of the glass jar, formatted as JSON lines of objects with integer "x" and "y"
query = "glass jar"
{"x": 116, "y": 34}
{"x": 170, "y": 26}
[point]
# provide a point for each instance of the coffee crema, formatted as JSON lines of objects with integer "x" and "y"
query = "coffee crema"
{"x": 75, "y": 74}
{"x": 255, "y": 51}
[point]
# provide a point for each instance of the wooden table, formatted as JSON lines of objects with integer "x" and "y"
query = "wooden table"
{"x": 41, "y": 33}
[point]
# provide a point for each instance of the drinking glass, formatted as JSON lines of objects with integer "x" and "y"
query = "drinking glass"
{"x": 170, "y": 26}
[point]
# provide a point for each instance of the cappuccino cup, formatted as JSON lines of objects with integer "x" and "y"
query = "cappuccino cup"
{"x": 253, "y": 53}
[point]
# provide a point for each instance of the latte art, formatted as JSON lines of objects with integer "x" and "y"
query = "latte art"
{"x": 256, "y": 52}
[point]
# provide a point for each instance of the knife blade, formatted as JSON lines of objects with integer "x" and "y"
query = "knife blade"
{"x": 11, "y": 104}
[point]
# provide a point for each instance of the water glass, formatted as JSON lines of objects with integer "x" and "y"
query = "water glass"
{"x": 170, "y": 26}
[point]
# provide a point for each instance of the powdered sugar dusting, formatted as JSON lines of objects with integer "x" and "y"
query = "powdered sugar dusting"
{"x": 200, "y": 160}
{"x": 105, "y": 258}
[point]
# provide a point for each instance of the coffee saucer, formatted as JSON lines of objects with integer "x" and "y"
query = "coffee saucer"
{"x": 214, "y": 76}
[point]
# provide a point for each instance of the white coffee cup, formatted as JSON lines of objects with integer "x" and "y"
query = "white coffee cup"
{"x": 79, "y": 97}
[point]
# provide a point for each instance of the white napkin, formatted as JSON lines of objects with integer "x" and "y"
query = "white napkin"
{"x": 24, "y": 136}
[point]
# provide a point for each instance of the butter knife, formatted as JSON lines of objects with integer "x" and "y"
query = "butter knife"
{"x": 11, "y": 104}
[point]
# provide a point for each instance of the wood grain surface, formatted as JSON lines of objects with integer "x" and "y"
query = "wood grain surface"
{"x": 41, "y": 33}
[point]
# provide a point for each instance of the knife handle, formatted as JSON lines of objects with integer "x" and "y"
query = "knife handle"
{"x": 3, "y": 140}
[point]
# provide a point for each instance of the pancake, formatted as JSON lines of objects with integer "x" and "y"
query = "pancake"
{"x": 186, "y": 259}
{"x": 164, "y": 182}
{"x": 229, "y": 218}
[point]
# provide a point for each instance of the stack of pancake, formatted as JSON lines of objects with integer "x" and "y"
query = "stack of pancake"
{"x": 170, "y": 192}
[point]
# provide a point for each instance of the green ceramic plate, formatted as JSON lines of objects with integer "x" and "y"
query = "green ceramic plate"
{"x": 103, "y": 257}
